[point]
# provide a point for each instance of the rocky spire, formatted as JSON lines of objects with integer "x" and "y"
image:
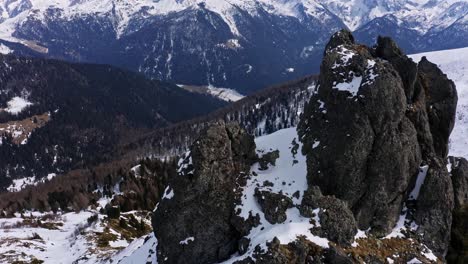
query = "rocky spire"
{"x": 193, "y": 220}
{"x": 380, "y": 118}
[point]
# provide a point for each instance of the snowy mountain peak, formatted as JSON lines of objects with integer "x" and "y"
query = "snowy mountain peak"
{"x": 218, "y": 37}
{"x": 423, "y": 13}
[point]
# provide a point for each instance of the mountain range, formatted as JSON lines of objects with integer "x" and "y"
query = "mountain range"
{"x": 240, "y": 44}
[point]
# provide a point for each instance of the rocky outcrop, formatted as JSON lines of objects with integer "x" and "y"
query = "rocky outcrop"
{"x": 459, "y": 172}
{"x": 193, "y": 219}
{"x": 336, "y": 221}
{"x": 374, "y": 136}
{"x": 458, "y": 251}
{"x": 375, "y": 118}
{"x": 274, "y": 205}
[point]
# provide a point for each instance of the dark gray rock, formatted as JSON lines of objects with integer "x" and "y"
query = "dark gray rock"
{"x": 359, "y": 134}
{"x": 337, "y": 222}
{"x": 268, "y": 158}
{"x": 460, "y": 181}
{"x": 441, "y": 104}
{"x": 342, "y": 37}
{"x": 194, "y": 225}
{"x": 375, "y": 118}
{"x": 387, "y": 49}
{"x": 336, "y": 256}
{"x": 434, "y": 208}
{"x": 299, "y": 251}
{"x": 274, "y": 205}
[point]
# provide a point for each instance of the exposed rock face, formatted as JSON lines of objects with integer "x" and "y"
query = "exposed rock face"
{"x": 460, "y": 181}
{"x": 458, "y": 251}
{"x": 193, "y": 219}
{"x": 441, "y": 104}
{"x": 274, "y": 205}
{"x": 434, "y": 209}
{"x": 374, "y": 120}
{"x": 337, "y": 222}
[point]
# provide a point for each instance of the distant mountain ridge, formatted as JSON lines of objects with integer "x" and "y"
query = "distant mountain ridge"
{"x": 240, "y": 44}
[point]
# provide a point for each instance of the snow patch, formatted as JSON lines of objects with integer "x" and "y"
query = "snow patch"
{"x": 225, "y": 94}
{"x": 16, "y": 105}
{"x": 288, "y": 176}
{"x": 419, "y": 182}
{"x": 5, "y": 50}
{"x": 352, "y": 86}
{"x": 168, "y": 193}
{"x": 187, "y": 241}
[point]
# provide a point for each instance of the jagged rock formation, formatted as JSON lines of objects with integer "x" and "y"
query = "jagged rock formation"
{"x": 375, "y": 119}
{"x": 373, "y": 147}
{"x": 458, "y": 250}
{"x": 459, "y": 174}
{"x": 193, "y": 219}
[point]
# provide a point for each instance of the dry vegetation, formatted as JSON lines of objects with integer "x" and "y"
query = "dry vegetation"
{"x": 21, "y": 129}
{"x": 400, "y": 250}
{"x": 80, "y": 189}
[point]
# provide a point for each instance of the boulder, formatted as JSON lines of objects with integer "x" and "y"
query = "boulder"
{"x": 274, "y": 205}
{"x": 335, "y": 220}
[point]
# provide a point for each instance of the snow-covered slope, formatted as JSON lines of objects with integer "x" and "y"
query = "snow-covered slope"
{"x": 287, "y": 176}
{"x": 84, "y": 237}
{"x": 455, "y": 64}
{"x": 421, "y": 15}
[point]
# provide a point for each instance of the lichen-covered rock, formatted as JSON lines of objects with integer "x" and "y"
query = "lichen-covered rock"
{"x": 193, "y": 220}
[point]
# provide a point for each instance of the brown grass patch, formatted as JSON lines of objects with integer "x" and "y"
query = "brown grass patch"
{"x": 400, "y": 250}
{"x": 21, "y": 129}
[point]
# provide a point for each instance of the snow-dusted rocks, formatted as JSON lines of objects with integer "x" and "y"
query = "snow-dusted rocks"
{"x": 195, "y": 224}
{"x": 389, "y": 119}
{"x": 454, "y": 64}
{"x": 361, "y": 159}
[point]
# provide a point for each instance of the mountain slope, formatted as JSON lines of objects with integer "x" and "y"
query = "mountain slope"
{"x": 279, "y": 107}
{"x": 56, "y": 116}
{"x": 241, "y": 44}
